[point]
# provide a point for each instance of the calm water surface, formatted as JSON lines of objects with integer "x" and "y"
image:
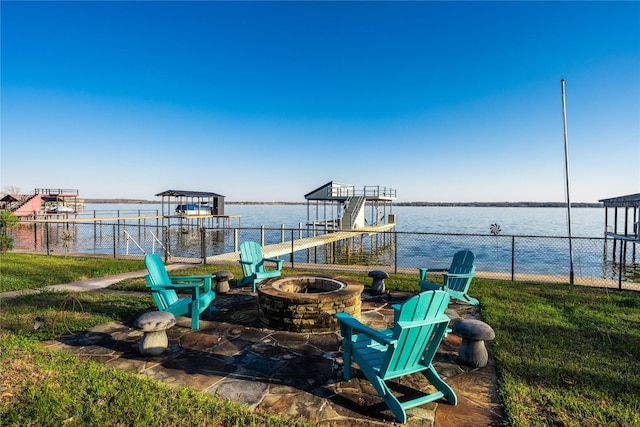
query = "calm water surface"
{"x": 585, "y": 222}
{"x": 428, "y": 236}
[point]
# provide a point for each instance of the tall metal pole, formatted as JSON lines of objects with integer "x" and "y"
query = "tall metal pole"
{"x": 566, "y": 175}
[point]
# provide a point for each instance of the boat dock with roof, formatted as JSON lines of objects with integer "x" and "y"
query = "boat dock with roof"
{"x": 339, "y": 216}
{"x": 43, "y": 203}
{"x": 343, "y": 207}
{"x": 336, "y": 212}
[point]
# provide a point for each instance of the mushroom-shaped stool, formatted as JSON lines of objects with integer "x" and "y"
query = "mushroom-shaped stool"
{"x": 154, "y": 324}
{"x": 474, "y": 333}
{"x": 222, "y": 281}
{"x": 378, "y": 280}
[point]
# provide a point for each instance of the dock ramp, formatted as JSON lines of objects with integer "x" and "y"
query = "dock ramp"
{"x": 288, "y": 247}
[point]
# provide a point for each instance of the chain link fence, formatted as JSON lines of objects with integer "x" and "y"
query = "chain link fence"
{"x": 589, "y": 261}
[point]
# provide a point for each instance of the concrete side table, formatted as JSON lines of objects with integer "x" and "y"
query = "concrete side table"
{"x": 154, "y": 324}
{"x": 474, "y": 333}
{"x": 222, "y": 281}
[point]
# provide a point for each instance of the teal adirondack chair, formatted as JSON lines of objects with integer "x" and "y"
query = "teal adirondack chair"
{"x": 407, "y": 348}
{"x": 456, "y": 278}
{"x": 163, "y": 289}
{"x": 253, "y": 265}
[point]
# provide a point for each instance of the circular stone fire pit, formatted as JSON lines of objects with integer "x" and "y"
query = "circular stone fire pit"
{"x": 307, "y": 303}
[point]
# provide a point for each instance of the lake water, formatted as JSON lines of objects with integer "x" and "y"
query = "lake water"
{"x": 531, "y": 240}
{"x": 585, "y": 222}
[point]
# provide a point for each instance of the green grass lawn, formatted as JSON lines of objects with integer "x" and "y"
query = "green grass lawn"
{"x": 26, "y": 271}
{"x": 565, "y": 356}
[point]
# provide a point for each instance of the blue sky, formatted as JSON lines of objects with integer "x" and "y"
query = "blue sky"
{"x": 262, "y": 101}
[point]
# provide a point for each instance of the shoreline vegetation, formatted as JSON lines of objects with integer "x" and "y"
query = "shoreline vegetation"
{"x": 455, "y": 204}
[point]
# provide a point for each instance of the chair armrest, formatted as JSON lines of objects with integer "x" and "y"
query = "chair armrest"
{"x": 176, "y": 286}
{"x": 354, "y": 325}
{"x": 423, "y": 271}
{"x": 195, "y": 281}
{"x": 190, "y": 278}
{"x": 275, "y": 260}
{"x": 246, "y": 262}
{"x": 459, "y": 276}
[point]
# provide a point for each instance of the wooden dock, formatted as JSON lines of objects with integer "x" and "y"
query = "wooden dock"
{"x": 127, "y": 218}
{"x": 287, "y": 247}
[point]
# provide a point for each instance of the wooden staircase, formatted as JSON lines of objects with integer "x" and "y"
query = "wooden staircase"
{"x": 29, "y": 207}
{"x": 354, "y": 213}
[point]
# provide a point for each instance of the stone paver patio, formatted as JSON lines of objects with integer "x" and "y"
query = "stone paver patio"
{"x": 298, "y": 375}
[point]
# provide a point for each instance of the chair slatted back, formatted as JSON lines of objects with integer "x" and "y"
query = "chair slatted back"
{"x": 158, "y": 277}
{"x": 419, "y": 329}
{"x": 251, "y": 252}
{"x": 463, "y": 263}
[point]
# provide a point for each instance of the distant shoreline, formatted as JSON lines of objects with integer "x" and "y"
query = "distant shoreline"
{"x": 433, "y": 204}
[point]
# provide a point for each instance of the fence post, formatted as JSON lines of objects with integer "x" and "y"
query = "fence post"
{"x": 114, "y": 241}
{"x": 262, "y": 235}
{"x": 167, "y": 240}
{"x": 292, "y": 247}
{"x": 46, "y": 234}
{"x": 395, "y": 250}
{"x": 513, "y": 258}
{"x": 620, "y": 267}
{"x": 235, "y": 240}
{"x": 203, "y": 245}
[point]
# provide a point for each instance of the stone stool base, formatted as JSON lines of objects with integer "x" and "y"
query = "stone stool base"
{"x": 222, "y": 281}
{"x": 153, "y": 343}
{"x": 474, "y": 333}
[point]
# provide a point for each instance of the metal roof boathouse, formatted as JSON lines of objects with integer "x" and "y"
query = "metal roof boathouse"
{"x": 628, "y": 234}
{"x": 194, "y": 205}
{"x": 342, "y": 206}
{"x": 631, "y": 208}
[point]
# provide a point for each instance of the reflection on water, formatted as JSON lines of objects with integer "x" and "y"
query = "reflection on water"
{"x": 426, "y": 237}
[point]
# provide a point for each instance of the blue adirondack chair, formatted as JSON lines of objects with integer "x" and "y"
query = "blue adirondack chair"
{"x": 407, "y": 348}
{"x": 163, "y": 289}
{"x": 456, "y": 278}
{"x": 253, "y": 265}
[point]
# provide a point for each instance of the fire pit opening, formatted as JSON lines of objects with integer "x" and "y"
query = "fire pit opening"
{"x": 307, "y": 303}
{"x": 308, "y": 285}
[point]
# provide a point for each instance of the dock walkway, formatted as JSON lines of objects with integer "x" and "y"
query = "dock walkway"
{"x": 287, "y": 247}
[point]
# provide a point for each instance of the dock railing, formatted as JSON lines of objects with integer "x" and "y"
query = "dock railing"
{"x": 57, "y": 191}
{"x": 376, "y": 191}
